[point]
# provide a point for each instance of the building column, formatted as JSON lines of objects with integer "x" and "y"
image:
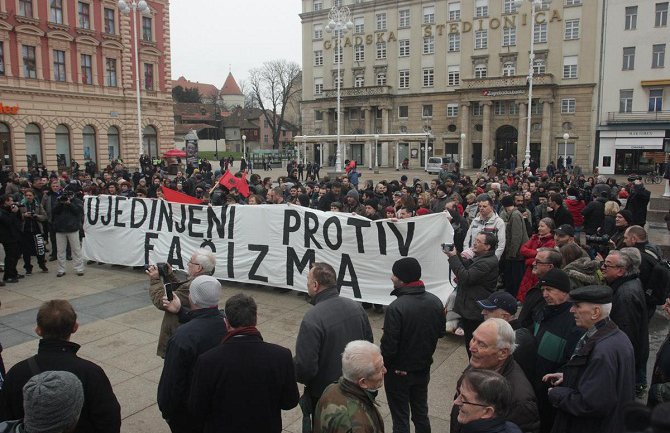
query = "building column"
{"x": 384, "y": 151}
{"x": 547, "y": 145}
{"x": 486, "y": 131}
{"x": 521, "y": 134}
{"x": 369, "y": 161}
{"x": 466, "y": 146}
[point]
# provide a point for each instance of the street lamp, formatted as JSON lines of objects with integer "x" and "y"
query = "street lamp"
{"x": 339, "y": 20}
{"x": 244, "y": 146}
{"x": 397, "y": 156}
{"x": 426, "y": 148}
{"x": 462, "y": 149}
{"x": 136, "y": 7}
{"x": 531, "y": 71}
{"x": 376, "y": 153}
{"x": 566, "y": 137}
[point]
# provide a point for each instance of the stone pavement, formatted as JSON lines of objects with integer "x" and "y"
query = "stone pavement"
{"x": 119, "y": 331}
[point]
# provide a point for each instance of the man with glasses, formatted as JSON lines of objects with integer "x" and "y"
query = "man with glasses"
{"x": 202, "y": 262}
{"x": 546, "y": 259}
{"x": 629, "y": 308}
{"x": 487, "y": 220}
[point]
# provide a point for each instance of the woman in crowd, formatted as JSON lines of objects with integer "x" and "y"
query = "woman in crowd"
{"x": 544, "y": 238}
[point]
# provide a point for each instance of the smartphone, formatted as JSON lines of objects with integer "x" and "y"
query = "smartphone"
{"x": 447, "y": 247}
{"x": 168, "y": 291}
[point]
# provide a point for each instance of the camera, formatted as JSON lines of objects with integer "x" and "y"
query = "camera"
{"x": 447, "y": 247}
{"x": 597, "y": 239}
{"x": 162, "y": 270}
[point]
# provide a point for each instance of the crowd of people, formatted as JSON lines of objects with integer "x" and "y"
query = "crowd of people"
{"x": 556, "y": 282}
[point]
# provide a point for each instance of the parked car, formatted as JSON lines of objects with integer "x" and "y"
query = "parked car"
{"x": 435, "y": 163}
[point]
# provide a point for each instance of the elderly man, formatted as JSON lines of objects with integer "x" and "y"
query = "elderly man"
{"x": 486, "y": 221}
{"x": 412, "y": 325}
{"x": 477, "y": 279}
{"x": 349, "y": 405}
{"x": 202, "y": 262}
{"x": 598, "y": 380}
{"x": 483, "y": 401}
{"x": 492, "y": 345}
{"x": 629, "y": 307}
{"x": 654, "y": 288}
{"x": 545, "y": 260}
{"x": 325, "y": 330}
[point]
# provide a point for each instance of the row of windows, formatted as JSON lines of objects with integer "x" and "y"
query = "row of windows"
{"x": 657, "y": 57}
{"x": 58, "y": 15}
{"x": 626, "y": 100}
{"x": 660, "y": 16}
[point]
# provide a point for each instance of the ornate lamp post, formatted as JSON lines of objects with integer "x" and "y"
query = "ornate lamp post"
{"x": 244, "y": 146}
{"x": 462, "y": 149}
{"x": 566, "y": 137}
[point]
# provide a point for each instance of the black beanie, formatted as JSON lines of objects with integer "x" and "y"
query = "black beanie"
{"x": 507, "y": 200}
{"x": 407, "y": 269}
{"x": 627, "y": 215}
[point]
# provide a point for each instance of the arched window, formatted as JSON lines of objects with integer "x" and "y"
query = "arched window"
{"x": 90, "y": 144}
{"x": 509, "y": 69}
{"x": 5, "y": 145}
{"x": 113, "y": 143}
{"x": 62, "y": 147}
{"x": 33, "y": 145}
{"x": 150, "y": 140}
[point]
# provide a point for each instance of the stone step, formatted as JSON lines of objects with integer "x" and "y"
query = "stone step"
{"x": 660, "y": 203}
{"x": 656, "y": 216}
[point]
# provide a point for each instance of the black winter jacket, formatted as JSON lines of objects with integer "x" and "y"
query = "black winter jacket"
{"x": 637, "y": 203}
{"x": 10, "y": 225}
{"x": 68, "y": 217}
{"x": 629, "y": 312}
{"x": 594, "y": 215}
{"x": 477, "y": 279}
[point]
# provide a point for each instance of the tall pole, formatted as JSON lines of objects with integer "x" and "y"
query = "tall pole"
{"x": 425, "y": 158}
{"x": 370, "y": 156}
{"x": 137, "y": 80}
{"x": 531, "y": 72}
{"x": 566, "y": 136}
{"x": 666, "y": 193}
{"x": 376, "y": 153}
{"x": 397, "y": 156}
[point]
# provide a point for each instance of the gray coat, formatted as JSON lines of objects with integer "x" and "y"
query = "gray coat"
{"x": 515, "y": 234}
{"x": 477, "y": 279}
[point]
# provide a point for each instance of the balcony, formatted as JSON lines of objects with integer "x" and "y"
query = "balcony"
{"x": 614, "y": 117}
{"x": 353, "y": 92}
{"x": 500, "y": 82}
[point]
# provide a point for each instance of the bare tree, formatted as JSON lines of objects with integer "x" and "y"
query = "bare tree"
{"x": 245, "y": 88}
{"x": 272, "y": 87}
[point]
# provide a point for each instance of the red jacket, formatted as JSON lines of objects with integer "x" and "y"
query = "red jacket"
{"x": 528, "y": 251}
{"x": 575, "y": 207}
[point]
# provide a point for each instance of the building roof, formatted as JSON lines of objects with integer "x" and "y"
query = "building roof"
{"x": 193, "y": 111}
{"x": 183, "y": 129}
{"x": 206, "y": 90}
{"x": 230, "y": 87}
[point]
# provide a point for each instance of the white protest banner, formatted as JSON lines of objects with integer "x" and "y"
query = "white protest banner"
{"x": 272, "y": 245}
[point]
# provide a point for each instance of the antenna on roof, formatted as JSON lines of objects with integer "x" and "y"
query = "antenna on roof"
{"x": 230, "y": 68}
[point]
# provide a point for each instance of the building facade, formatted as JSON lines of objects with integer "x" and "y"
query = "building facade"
{"x": 67, "y": 74}
{"x": 634, "y": 119}
{"x": 457, "y": 69}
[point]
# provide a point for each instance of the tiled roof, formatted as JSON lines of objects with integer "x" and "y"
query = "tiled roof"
{"x": 206, "y": 90}
{"x": 189, "y": 111}
{"x": 230, "y": 87}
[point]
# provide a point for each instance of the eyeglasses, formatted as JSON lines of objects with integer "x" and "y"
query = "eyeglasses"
{"x": 194, "y": 263}
{"x": 605, "y": 265}
{"x": 470, "y": 403}
{"x": 538, "y": 262}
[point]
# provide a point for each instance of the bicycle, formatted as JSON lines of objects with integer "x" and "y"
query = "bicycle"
{"x": 652, "y": 177}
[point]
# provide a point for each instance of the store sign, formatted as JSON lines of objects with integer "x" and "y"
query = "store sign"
{"x": 6, "y": 109}
{"x": 503, "y": 92}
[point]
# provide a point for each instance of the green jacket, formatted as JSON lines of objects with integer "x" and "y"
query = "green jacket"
{"x": 346, "y": 408}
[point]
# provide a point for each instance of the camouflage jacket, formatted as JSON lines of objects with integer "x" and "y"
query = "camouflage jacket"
{"x": 346, "y": 408}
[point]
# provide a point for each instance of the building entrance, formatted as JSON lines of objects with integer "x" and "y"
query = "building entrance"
{"x": 506, "y": 145}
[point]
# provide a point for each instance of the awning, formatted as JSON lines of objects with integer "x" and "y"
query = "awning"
{"x": 647, "y": 143}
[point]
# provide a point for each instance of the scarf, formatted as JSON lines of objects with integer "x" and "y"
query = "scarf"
{"x": 245, "y": 330}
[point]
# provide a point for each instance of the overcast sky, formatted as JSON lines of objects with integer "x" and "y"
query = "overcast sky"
{"x": 212, "y": 37}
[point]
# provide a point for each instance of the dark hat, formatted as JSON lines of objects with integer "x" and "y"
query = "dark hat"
{"x": 337, "y": 205}
{"x": 373, "y": 202}
{"x": 627, "y": 215}
{"x": 565, "y": 229}
{"x": 592, "y": 294}
{"x": 407, "y": 269}
{"x": 557, "y": 279}
{"x": 502, "y": 300}
{"x": 353, "y": 193}
{"x": 403, "y": 178}
{"x": 507, "y": 200}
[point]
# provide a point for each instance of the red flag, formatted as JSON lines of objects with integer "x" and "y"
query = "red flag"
{"x": 179, "y": 197}
{"x": 230, "y": 181}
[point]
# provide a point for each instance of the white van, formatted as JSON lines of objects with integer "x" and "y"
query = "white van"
{"x": 435, "y": 164}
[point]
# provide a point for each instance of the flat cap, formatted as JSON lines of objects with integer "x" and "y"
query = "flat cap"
{"x": 592, "y": 294}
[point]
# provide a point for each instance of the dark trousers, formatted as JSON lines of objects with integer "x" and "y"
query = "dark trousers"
{"x": 405, "y": 393}
{"x": 512, "y": 272}
{"x": 28, "y": 249}
{"x": 184, "y": 424}
{"x": 469, "y": 327}
{"x": 12, "y": 252}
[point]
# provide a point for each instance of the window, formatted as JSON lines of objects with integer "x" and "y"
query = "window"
{"x": 359, "y": 25}
{"x": 509, "y": 69}
{"x": 628, "y": 58}
{"x": 84, "y": 10}
{"x": 62, "y": 146}
{"x": 480, "y": 71}
{"x": 661, "y": 14}
{"x": 658, "y": 56}
{"x": 429, "y": 45}
{"x": 318, "y": 86}
{"x": 454, "y": 75}
{"x": 380, "y": 19}
{"x": 403, "y": 112}
{"x": 56, "y": 11}
{"x": 113, "y": 143}
{"x": 381, "y": 79}
{"x": 452, "y": 110}
{"x": 455, "y": 11}
{"x": 318, "y": 115}
{"x": 540, "y": 67}
{"x": 337, "y": 81}
{"x": 477, "y": 109}
{"x": 59, "y": 65}
{"x": 337, "y": 3}
{"x": 403, "y": 79}
{"x": 631, "y": 18}
{"x": 427, "y": 110}
{"x": 110, "y": 21}
{"x": 499, "y": 108}
{"x": 428, "y": 77}
{"x": 149, "y": 76}
{"x": 403, "y": 46}
{"x": 625, "y": 101}
{"x": 509, "y": 36}
{"x": 265, "y": 138}
{"x": 540, "y": 33}
{"x": 481, "y": 39}
{"x": 86, "y": 69}
{"x": 318, "y": 58}
{"x": 359, "y": 53}
{"x": 359, "y": 81}
{"x": 26, "y": 8}
{"x": 429, "y": 14}
{"x": 573, "y": 2}
{"x": 2, "y": 58}
{"x": 568, "y": 105}
{"x": 655, "y": 99}
{"x": 317, "y": 5}
{"x": 569, "y": 67}
{"x": 403, "y": 18}
{"x": 509, "y": 6}
{"x": 513, "y": 108}
{"x": 146, "y": 29}
{"x": 454, "y": 42}
{"x": 571, "y": 29}
{"x": 536, "y": 107}
{"x": 381, "y": 50}
{"x": 337, "y": 55}
{"x": 110, "y": 72}
{"x": 318, "y": 31}
{"x": 481, "y": 8}
{"x": 88, "y": 134}
{"x": 29, "y": 61}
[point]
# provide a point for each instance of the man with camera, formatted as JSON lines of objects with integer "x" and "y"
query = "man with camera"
{"x": 161, "y": 277}
{"x": 638, "y": 200}
{"x": 68, "y": 215}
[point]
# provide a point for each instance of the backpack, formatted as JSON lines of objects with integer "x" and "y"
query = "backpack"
{"x": 658, "y": 285}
